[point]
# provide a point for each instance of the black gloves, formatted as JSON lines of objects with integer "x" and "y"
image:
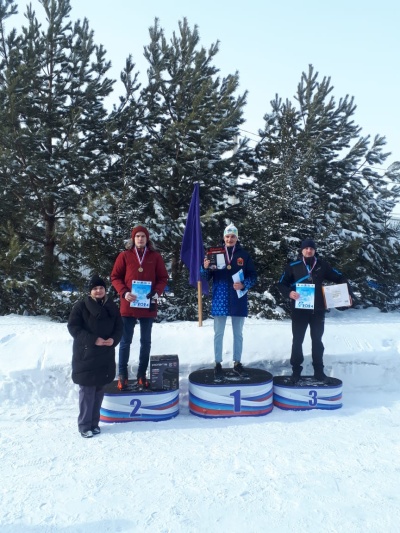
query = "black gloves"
{"x": 150, "y": 295}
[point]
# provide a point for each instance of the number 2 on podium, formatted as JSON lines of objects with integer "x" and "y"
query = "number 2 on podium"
{"x": 136, "y": 403}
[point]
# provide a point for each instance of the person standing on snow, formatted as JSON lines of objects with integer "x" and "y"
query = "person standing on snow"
{"x": 96, "y": 326}
{"x": 139, "y": 262}
{"x": 225, "y": 299}
{"x": 311, "y": 269}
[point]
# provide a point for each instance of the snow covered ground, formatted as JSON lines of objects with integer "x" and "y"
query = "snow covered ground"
{"x": 314, "y": 471}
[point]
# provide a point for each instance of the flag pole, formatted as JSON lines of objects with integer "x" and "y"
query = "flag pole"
{"x": 200, "y": 303}
{"x": 192, "y": 249}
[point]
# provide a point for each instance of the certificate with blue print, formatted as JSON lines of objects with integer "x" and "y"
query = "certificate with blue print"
{"x": 239, "y": 278}
{"x": 140, "y": 289}
{"x": 307, "y": 295}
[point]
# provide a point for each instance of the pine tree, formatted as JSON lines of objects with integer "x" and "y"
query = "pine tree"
{"x": 189, "y": 134}
{"x": 55, "y": 140}
{"x": 317, "y": 179}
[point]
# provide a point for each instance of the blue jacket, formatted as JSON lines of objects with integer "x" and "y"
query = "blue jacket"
{"x": 225, "y": 301}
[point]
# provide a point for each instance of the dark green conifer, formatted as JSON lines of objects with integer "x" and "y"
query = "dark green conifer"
{"x": 54, "y": 138}
{"x": 318, "y": 177}
{"x": 189, "y": 135}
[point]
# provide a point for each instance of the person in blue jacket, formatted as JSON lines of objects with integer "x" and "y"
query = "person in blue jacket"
{"x": 226, "y": 300}
{"x": 312, "y": 269}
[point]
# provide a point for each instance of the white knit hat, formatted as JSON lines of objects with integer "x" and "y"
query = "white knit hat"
{"x": 231, "y": 230}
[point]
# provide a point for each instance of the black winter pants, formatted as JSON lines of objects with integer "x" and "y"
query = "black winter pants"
{"x": 301, "y": 319}
{"x": 90, "y": 400}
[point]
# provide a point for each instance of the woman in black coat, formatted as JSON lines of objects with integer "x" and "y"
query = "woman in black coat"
{"x": 96, "y": 326}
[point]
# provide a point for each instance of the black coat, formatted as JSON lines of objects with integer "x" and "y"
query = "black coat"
{"x": 296, "y": 272}
{"x": 94, "y": 365}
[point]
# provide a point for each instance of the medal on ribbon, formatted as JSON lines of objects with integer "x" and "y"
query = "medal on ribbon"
{"x": 229, "y": 259}
{"x": 309, "y": 270}
{"x": 140, "y": 259}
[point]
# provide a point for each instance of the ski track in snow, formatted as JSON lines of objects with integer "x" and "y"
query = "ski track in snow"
{"x": 319, "y": 471}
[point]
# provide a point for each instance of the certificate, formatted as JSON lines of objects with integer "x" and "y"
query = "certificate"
{"x": 307, "y": 293}
{"x": 336, "y": 295}
{"x": 216, "y": 256}
{"x": 239, "y": 278}
{"x": 140, "y": 289}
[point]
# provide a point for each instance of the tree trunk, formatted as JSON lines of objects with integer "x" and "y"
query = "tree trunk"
{"x": 49, "y": 273}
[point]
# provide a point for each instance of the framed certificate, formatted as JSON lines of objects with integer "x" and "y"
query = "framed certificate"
{"x": 336, "y": 295}
{"x": 307, "y": 294}
{"x": 216, "y": 256}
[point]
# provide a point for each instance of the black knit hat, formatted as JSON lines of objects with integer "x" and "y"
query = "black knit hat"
{"x": 308, "y": 243}
{"x": 96, "y": 281}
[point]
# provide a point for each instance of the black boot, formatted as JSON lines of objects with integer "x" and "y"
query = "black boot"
{"x": 296, "y": 373}
{"x": 218, "y": 370}
{"x": 238, "y": 367}
{"x": 319, "y": 373}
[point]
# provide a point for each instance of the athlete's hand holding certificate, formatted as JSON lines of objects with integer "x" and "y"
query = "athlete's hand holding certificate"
{"x": 239, "y": 278}
{"x": 307, "y": 293}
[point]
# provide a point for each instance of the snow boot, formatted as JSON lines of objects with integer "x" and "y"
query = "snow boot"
{"x": 122, "y": 382}
{"x": 218, "y": 370}
{"x": 319, "y": 373}
{"x": 238, "y": 368}
{"x": 296, "y": 374}
{"x": 142, "y": 383}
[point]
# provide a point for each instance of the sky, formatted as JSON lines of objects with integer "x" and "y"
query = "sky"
{"x": 288, "y": 471}
{"x": 270, "y": 44}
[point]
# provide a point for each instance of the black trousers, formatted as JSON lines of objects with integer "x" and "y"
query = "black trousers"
{"x": 90, "y": 399}
{"x": 129, "y": 323}
{"x": 301, "y": 319}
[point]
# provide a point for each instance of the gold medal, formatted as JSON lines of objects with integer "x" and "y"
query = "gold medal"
{"x": 229, "y": 260}
{"x": 140, "y": 259}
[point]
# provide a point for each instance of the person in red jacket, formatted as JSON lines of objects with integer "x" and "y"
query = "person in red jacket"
{"x": 139, "y": 262}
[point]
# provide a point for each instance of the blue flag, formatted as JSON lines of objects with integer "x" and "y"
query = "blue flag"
{"x": 192, "y": 250}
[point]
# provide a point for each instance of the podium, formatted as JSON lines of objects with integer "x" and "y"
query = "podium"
{"x": 132, "y": 405}
{"x": 307, "y": 394}
{"x": 231, "y": 396}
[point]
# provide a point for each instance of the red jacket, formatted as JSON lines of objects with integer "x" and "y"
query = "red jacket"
{"x": 126, "y": 269}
